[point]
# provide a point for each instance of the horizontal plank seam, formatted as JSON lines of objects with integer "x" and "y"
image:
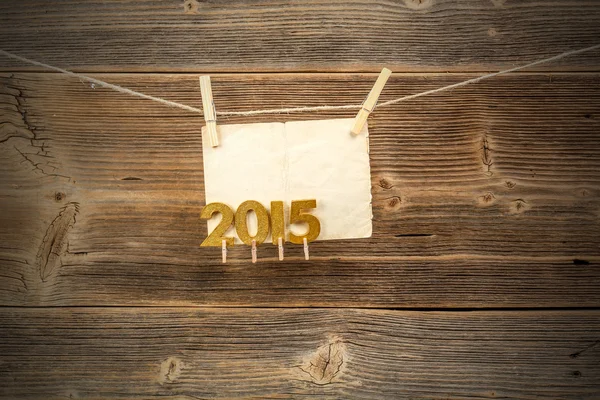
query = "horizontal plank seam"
{"x": 303, "y": 73}
{"x": 275, "y": 307}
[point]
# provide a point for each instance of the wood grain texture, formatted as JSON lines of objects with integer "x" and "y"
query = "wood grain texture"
{"x": 307, "y": 35}
{"x": 486, "y": 196}
{"x": 146, "y": 353}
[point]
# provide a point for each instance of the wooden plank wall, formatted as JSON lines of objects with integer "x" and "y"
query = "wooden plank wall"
{"x": 481, "y": 279}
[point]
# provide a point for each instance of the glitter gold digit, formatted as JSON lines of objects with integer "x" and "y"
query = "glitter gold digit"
{"x": 215, "y": 239}
{"x": 241, "y": 224}
{"x": 297, "y": 216}
{"x": 277, "y": 222}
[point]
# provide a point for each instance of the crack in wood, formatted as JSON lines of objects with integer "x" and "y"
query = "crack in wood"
{"x": 8, "y": 130}
{"x": 14, "y": 122}
{"x": 38, "y": 166}
{"x": 11, "y": 129}
{"x": 579, "y": 261}
{"x": 20, "y": 278}
{"x": 580, "y": 352}
{"x": 487, "y": 156}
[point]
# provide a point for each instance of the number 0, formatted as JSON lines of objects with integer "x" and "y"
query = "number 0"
{"x": 241, "y": 224}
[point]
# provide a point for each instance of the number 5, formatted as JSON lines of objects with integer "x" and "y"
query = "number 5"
{"x": 297, "y": 216}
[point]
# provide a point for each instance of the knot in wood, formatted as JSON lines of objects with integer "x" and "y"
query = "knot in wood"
{"x": 519, "y": 206}
{"x": 418, "y": 4}
{"x": 170, "y": 369}
{"x": 487, "y": 198}
{"x": 59, "y": 196}
{"x": 510, "y": 184}
{"x": 385, "y": 184}
{"x": 191, "y": 6}
{"x": 326, "y": 363}
{"x": 55, "y": 241}
{"x": 393, "y": 203}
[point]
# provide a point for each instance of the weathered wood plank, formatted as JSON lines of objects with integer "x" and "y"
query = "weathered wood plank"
{"x": 307, "y": 35}
{"x": 487, "y": 196}
{"x": 118, "y": 353}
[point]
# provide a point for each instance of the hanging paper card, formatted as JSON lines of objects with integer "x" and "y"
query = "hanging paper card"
{"x": 301, "y": 160}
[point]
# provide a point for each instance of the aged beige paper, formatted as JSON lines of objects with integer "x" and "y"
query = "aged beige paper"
{"x": 289, "y": 161}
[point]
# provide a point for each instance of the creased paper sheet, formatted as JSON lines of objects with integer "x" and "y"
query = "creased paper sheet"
{"x": 289, "y": 161}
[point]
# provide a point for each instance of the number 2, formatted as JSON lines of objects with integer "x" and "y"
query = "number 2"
{"x": 216, "y": 238}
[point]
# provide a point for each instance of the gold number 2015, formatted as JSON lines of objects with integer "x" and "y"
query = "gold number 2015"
{"x": 298, "y": 214}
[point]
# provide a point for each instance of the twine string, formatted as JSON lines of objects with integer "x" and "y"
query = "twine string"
{"x": 169, "y": 103}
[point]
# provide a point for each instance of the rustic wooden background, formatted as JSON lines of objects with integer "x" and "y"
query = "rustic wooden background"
{"x": 482, "y": 277}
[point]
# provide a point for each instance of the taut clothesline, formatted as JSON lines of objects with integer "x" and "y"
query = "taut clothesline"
{"x": 169, "y": 103}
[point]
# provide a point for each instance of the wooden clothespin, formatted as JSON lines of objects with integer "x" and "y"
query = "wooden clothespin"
{"x": 224, "y": 251}
{"x": 254, "y": 252}
{"x": 280, "y": 246}
{"x": 371, "y": 101}
{"x": 306, "y": 255}
{"x": 210, "y": 113}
